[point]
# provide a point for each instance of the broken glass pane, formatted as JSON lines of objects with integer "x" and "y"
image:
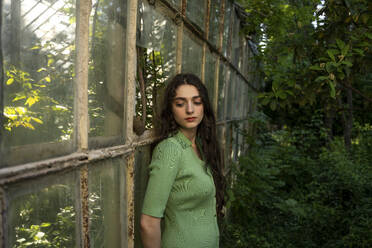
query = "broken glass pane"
{"x": 106, "y": 72}
{"x": 37, "y": 40}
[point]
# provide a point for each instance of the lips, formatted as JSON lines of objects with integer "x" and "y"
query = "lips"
{"x": 190, "y": 119}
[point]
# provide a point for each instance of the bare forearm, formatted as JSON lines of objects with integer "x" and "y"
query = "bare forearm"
{"x": 151, "y": 238}
{"x": 150, "y": 232}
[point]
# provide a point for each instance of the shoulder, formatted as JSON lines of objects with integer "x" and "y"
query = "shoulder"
{"x": 168, "y": 148}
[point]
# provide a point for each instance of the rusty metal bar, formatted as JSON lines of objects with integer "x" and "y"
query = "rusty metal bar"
{"x": 130, "y": 199}
{"x": 206, "y": 27}
{"x": 84, "y": 212}
{"x": 81, "y": 79}
{"x": 3, "y": 225}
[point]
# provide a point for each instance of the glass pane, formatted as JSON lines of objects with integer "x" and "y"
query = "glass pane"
{"x": 235, "y": 53}
{"x": 106, "y": 72}
{"x": 223, "y": 77}
{"x": 156, "y": 49}
{"x": 42, "y": 213}
{"x": 38, "y": 46}
{"x": 231, "y": 97}
{"x": 237, "y": 108}
{"x": 214, "y": 22}
{"x": 106, "y": 195}
{"x": 195, "y": 11}
{"x": 226, "y": 27}
{"x": 228, "y": 145}
{"x": 210, "y": 68}
{"x": 191, "y": 55}
{"x": 142, "y": 160}
{"x": 176, "y": 3}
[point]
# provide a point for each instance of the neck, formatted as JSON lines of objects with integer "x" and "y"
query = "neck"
{"x": 190, "y": 134}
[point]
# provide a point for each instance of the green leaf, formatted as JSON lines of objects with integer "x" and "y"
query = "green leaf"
{"x": 332, "y": 88}
{"x": 273, "y": 105}
{"x": 265, "y": 101}
{"x": 10, "y": 81}
{"x": 41, "y": 69}
{"x": 282, "y": 95}
{"x": 41, "y": 122}
{"x": 45, "y": 224}
{"x": 345, "y": 50}
{"x": 321, "y": 78}
{"x": 18, "y": 97}
{"x": 50, "y": 61}
{"x": 340, "y": 44}
{"x": 369, "y": 35}
{"x": 347, "y": 63}
{"x": 359, "y": 51}
{"x": 47, "y": 78}
{"x": 331, "y": 54}
{"x": 315, "y": 68}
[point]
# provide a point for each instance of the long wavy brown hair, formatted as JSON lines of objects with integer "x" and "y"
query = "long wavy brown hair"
{"x": 206, "y": 132}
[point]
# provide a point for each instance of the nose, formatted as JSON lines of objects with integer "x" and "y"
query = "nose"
{"x": 189, "y": 108}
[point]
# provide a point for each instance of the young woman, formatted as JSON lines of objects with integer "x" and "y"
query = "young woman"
{"x": 186, "y": 184}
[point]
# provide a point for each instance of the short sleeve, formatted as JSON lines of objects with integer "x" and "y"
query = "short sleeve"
{"x": 163, "y": 171}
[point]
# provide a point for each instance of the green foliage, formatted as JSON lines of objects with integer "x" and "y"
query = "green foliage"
{"x": 312, "y": 54}
{"x": 291, "y": 190}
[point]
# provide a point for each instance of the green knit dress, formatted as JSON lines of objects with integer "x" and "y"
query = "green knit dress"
{"x": 181, "y": 190}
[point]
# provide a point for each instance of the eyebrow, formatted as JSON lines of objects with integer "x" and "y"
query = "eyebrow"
{"x": 184, "y": 99}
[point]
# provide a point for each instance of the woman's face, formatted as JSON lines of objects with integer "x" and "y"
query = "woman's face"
{"x": 187, "y": 107}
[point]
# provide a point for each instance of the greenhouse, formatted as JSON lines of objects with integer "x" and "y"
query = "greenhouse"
{"x": 80, "y": 83}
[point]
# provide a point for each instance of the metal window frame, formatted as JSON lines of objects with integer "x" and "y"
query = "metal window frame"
{"x": 80, "y": 159}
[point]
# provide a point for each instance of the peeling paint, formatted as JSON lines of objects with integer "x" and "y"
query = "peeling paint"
{"x": 84, "y": 198}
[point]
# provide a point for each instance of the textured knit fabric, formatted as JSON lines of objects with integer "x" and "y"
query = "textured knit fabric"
{"x": 181, "y": 189}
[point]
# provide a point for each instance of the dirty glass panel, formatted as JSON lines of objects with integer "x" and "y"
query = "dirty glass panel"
{"x": 223, "y": 78}
{"x": 106, "y": 72}
{"x": 226, "y": 27}
{"x": 214, "y": 22}
{"x": 228, "y": 145}
{"x": 42, "y": 213}
{"x": 156, "y": 56}
{"x": 195, "y": 11}
{"x": 106, "y": 196}
{"x": 142, "y": 160}
{"x": 243, "y": 63}
{"x": 210, "y": 68}
{"x": 37, "y": 40}
{"x": 244, "y": 100}
{"x": 175, "y": 3}
{"x": 231, "y": 97}
{"x": 235, "y": 46}
{"x": 191, "y": 55}
{"x": 237, "y": 108}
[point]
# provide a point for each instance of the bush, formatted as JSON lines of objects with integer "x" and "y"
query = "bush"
{"x": 283, "y": 195}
